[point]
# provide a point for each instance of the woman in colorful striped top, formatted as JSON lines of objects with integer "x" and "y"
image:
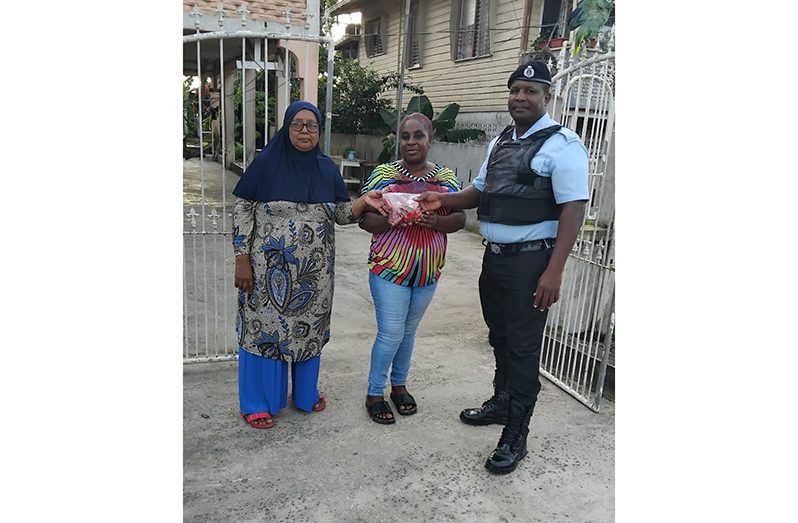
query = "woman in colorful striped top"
{"x": 405, "y": 262}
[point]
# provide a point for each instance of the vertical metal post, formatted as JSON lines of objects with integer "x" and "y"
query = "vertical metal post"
{"x": 202, "y": 187}
{"x": 400, "y": 90}
{"x": 303, "y": 95}
{"x": 244, "y": 100}
{"x": 287, "y": 77}
{"x": 328, "y": 102}
{"x": 199, "y": 108}
{"x": 185, "y": 301}
{"x": 214, "y": 250}
{"x": 222, "y": 125}
{"x": 606, "y": 356}
{"x": 265, "y": 93}
{"x": 224, "y": 190}
{"x": 196, "y": 313}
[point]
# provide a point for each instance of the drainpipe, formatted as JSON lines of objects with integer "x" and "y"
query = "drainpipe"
{"x": 525, "y": 30}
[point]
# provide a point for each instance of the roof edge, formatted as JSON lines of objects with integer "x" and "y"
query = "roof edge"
{"x": 345, "y": 6}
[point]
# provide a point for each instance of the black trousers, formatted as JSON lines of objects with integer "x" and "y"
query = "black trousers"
{"x": 516, "y": 328}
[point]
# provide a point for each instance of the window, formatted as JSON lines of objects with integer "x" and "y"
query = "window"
{"x": 374, "y": 37}
{"x": 413, "y": 56}
{"x": 472, "y": 29}
{"x": 349, "y": 50}
{"x": 552, "y": 21}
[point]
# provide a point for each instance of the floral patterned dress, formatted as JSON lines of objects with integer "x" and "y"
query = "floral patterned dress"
{"x": 292, "y": 250}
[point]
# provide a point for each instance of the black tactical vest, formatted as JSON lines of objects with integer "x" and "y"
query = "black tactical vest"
{"x": 514, "y": 193}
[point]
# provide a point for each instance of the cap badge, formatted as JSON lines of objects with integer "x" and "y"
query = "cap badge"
{"x": 529, "y": 72}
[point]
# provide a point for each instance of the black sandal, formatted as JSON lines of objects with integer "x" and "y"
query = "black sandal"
{"x": 404, "y": 399}
{"x": 378, "y": 407}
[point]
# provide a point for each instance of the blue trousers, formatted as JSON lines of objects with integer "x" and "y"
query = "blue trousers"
{"x": 399, "y": 310}
{"x": 263, "y": 383}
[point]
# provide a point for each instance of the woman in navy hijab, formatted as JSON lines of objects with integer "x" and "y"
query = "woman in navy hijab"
{"x": 287, "y": 203}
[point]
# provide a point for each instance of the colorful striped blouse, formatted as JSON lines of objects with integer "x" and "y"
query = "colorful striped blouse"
{"x": 412, "y": 255}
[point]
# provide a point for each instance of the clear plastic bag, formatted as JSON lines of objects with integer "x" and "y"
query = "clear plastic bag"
{"x": 399, "y": 198}
{"x": 402, "y": 208}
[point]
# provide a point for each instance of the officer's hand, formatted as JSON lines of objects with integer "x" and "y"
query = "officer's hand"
{"x": 429, "y": 200}
{"x": 548, "y": 290}
{"x": 428, "y": 219}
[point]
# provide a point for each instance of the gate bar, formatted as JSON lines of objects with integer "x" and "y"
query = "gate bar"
{"x": 328, "y": 101}
{"x": 244, "y": 101}
{"x": 265, "y": 94}
{"x": 607, "y": 344}
{"x": 287, "y": 78}
{"x": 224, "y": 188}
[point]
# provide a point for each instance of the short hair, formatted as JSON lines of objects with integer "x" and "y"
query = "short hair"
{"x": 420, "y": 118}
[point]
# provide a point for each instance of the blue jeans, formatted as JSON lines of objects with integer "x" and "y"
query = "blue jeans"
{"x": 399, "y": 310}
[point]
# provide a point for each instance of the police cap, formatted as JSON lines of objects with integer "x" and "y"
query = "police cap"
{"x": 534, "y": 71}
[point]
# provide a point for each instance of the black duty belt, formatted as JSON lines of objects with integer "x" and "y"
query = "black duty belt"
{"x": 506, "y": 249}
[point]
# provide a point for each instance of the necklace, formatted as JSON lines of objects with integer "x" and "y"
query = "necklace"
{"x": 404, "y": 172}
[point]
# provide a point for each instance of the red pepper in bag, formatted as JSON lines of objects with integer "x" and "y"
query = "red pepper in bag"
{"x": 399, "y": 198}
{"x": 403, "y": 208}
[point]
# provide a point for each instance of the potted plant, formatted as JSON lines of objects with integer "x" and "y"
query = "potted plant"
{"x": 349, "y": 153}
{"x": 547, "y": 40}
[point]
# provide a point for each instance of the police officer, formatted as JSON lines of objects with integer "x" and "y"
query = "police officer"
{"x": 530, "y": 197}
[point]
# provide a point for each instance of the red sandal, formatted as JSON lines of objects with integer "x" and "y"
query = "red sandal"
{"x": 252, "y": 418}
{"x": 321, "y": 404}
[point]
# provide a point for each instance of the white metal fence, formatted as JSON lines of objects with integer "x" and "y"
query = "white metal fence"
{"x": 578, "y": 344}
{"x": 209, "y": 302}
{"x": 209, "y": 298}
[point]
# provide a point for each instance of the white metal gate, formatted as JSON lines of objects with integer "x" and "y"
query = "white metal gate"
{"x": 209, "y": 298}
{"x": 578, "y": 343}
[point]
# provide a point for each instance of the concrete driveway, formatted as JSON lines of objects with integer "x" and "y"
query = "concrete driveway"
{"x": 337, "y": 465}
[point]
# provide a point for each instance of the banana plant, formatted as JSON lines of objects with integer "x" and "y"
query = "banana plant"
{"x": 442, "y": 125}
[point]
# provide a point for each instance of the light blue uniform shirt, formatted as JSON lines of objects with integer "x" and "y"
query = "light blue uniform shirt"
{"x": 563, "y": 158}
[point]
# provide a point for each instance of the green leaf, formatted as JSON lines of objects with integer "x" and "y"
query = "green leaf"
{"x": 590, "y": 15}
{"x": 388, "y": 148}
{"x": 420, "y": 104}
{"x": 389, "y": 117}
{"x": 445, "y": 120}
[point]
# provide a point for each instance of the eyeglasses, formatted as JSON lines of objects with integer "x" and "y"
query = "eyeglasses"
{"x": 312, "y": 127}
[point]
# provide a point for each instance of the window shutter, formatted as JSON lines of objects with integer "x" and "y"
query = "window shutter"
{"x": 482, "y": 44}
{"x": 373, "y": 37}
{"x": 473, "y": 29}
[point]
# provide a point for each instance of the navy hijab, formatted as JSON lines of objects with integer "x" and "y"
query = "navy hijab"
{"x": 283, "y": 172}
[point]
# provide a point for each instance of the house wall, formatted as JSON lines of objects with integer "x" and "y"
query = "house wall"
{"x": 367, "y": 147}
{"x": 478, "y": 85}
{"x": 465, "y": 159}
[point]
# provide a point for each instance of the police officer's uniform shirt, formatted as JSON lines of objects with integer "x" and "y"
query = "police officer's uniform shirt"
{"x": 563, "y": 158}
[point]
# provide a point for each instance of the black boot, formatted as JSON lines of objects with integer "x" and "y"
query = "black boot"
{"x": 492, "y": 411}
{"x": 512, "y": 445}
